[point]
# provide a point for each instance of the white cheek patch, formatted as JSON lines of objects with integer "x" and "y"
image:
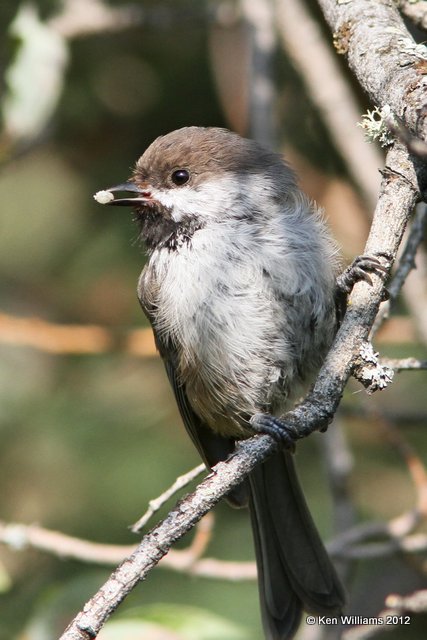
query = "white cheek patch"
{"x": 207, "y": 200}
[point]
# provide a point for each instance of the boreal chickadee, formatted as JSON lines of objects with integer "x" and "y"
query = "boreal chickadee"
{"x": 240, "y": 289}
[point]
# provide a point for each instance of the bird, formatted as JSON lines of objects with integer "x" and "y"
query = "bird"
{"x": 240, "y": 288}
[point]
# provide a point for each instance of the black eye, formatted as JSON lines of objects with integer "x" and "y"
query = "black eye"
{"x": 180, "y": 177}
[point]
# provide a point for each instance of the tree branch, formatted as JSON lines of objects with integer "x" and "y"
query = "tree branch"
{"x": 157, "y": 543}
{"x": 415, "y": 11}
{"x": 384, "y": 57}
{"x": 406, "y": 264}
{"x": 333, "y": 96}
{"x": 259, "y": 19}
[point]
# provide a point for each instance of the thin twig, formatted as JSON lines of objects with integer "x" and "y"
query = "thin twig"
{"x": 415, "y": 602}
{"x": 353, "y": 544}
{"x": 157, "y": 543}
{"x": 406, "y": 264}
{"x": 411, "y": 544}
{"x": 415, "y": 145}
{"x": 19, "y": 537}
{"x": 391, "y": 617}
{"x": 157, "y": 503}
{"x": 404, "y": 364}
{"x": 415, "y": 293}
{"x": 407, "y": 259}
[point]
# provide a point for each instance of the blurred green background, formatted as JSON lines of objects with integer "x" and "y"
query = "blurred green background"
{"x": 87, "y": 440}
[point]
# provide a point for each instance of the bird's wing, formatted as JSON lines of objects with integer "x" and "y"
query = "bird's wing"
{"x": 212, "y": 447}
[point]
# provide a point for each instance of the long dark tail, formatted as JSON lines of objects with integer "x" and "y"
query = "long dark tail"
{"x": 295, "y": 571}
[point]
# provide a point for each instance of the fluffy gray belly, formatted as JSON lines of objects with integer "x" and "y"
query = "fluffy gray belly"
{"x": 237, "y": 350}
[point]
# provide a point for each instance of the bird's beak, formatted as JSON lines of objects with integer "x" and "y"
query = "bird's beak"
{"x": 107, "y": 197}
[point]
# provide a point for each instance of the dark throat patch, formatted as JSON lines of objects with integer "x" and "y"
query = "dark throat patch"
{"x": 158, "y": 230}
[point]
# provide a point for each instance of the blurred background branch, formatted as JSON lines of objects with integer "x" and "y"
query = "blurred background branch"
{"x": 415, "y": 11}
{"x": 83, "y": 339}
{"x": 92, "y": 339}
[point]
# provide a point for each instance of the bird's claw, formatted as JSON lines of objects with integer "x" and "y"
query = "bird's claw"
{"x": 265, "y": 424}
{"x": 359, "y": 270}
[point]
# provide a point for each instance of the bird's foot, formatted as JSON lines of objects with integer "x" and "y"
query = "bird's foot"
{"x": 359, "y": 270}
{"x": 283, "y": 434}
